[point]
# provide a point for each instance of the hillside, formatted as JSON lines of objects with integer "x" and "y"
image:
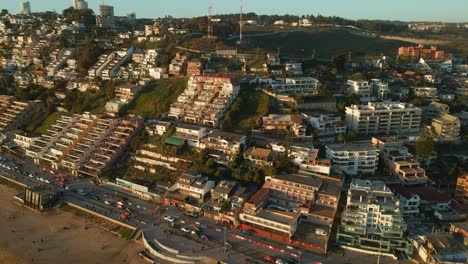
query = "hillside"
{"x": 326, "y": 43}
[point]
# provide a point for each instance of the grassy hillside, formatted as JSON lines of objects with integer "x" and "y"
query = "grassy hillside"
{"x": 157, "y": 98}
{"x": 326, "y": 43}
{"x": 46, "y": 123}
{"x": 246, "y": 110}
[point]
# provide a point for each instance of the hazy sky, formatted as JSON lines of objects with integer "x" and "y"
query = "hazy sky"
{"x": 406, "y": 10}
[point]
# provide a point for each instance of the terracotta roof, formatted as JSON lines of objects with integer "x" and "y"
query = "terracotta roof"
{"x": 259, "y": 196}
{"x": 258, "y": 152}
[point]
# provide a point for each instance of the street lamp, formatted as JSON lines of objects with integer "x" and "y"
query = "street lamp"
{"x": 224, "y": 239}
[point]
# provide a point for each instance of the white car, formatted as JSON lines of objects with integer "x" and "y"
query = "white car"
{"x": 47, "y": 181}
{"x": 120, "y": 203}
{"x": 107, "y": 202}
{"x": 186, "y": 229}
{"x": 169, "y": 218}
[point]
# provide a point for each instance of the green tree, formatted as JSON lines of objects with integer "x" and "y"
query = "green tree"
{"x": 425, "y": 145}
{"x": 322, "y": 90}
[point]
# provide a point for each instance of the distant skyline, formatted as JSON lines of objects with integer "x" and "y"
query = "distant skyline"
{"x": 404, "y": 10}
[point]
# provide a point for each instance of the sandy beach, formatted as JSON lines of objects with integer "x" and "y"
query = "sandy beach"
{"x": 59, "y": 237}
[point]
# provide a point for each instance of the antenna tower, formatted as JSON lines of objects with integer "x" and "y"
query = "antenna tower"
{"x": 210, "y": 23}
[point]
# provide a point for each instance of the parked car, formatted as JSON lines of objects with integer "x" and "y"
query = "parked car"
{"x": 169, "y": 218}
{"x": 186, "y": 229}
{"x": 247, "y": 232}
{"x": 107, "y": 202}
{"x": 81, "y": 192}
{"x": 269, "y": 259}
{"x": 280, "y": 261}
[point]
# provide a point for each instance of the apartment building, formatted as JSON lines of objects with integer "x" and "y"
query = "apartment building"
{"x": 109, "y": 64}
{"x": 294, "y": 208}
{"x": 205, "y": 100}
{"x": 178, "y": 64}
{"x": 149, "y": 159}
{"x": 284, "y": 123}
{"x": 59, "y": 58}
{"x": 429, "y": 93}
{"x": 259, "y": 156}
{"x": 189, "y": 191}
{"x": 152, "y": 30}
{"x": 194, "y": 67}
{"x": 372, "y": 220}
{"x": 361, "y": 88}
{"x": 384, "y": 118}
{"x": 433, "y": 110}
{"x": 144, "y": 64}
{"x": 461, "y": 192}
{"x": 421, "y": 52}
{"x": 400, "y": 162}
{"x": 156, "y": 127}
{"x": 446, "y": 128}
{"x": 416, "y": 200}
{"x": 15, "y": 113}
{"x": 379, "y": 89}
{"x": 295, "y": 68}
{"x": 193, "y": 135}
{"x": 360, "y": 157}
{"x": 295, "y": 85}
{"x": 224, "y": 146}
{"x": 327, "y": 126}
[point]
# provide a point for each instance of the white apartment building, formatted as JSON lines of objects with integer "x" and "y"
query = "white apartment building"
{"x": 294, "y": 67}
{"x": 192, "y": 134}
{"x": 384, "y": 118}
{"x": 328, "y": 125}
{"x": 354, "y": 158}
{"x": 372, "y": 220}
{"x": 361, "y": 88}
{"x": 296, "y": 85}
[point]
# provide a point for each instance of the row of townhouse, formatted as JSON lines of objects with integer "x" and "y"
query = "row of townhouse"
{"x": 205, "y": 100}
{"x": 108, "y": 65}
{"x": 144, "y": 65}
{"x": 59, "y": 58}
{"x": 83, "y": 143}
{"x": 284, "y": 123}
{"x": 178, "y": 65}
{"x": 15, "y": 113}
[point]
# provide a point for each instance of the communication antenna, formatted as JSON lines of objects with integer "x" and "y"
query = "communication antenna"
{"x": 241, "y": 22}
{"x": 210, "y": 23}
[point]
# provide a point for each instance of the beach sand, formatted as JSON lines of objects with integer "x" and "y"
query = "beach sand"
{"x": 58, "y": 237}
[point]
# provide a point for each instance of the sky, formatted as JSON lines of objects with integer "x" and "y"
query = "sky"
{"x": 404, "y": 10}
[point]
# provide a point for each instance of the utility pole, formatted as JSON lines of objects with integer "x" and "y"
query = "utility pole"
{"x": 224, "y": 239}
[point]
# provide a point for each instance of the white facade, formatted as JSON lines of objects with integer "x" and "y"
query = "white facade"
{"x": 384, "y": 118}
{"x": 298, "y": 85}
{"x": 328, "y": 125}
{"x": 25, "y": 8}
{"x": 361, "y": 88}
{"x": 354, "y": 158}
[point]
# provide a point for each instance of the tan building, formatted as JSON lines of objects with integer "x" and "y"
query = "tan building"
{"x": 294, "y": 207}
{"x": 433, "y": 110}
{"x": 461, "y": 193}
{"x": 284, "y": 123}
{"x": 446, "y": 128}
{"x": 194, "y": 67}
{"x": 421, "y": 52}
{"x": 401, "y": 163}
{"x": 15, "y": 113}
{"x": 259, "y": 156}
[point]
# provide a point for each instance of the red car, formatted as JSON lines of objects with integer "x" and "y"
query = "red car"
{"x": 269, "y": 259}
